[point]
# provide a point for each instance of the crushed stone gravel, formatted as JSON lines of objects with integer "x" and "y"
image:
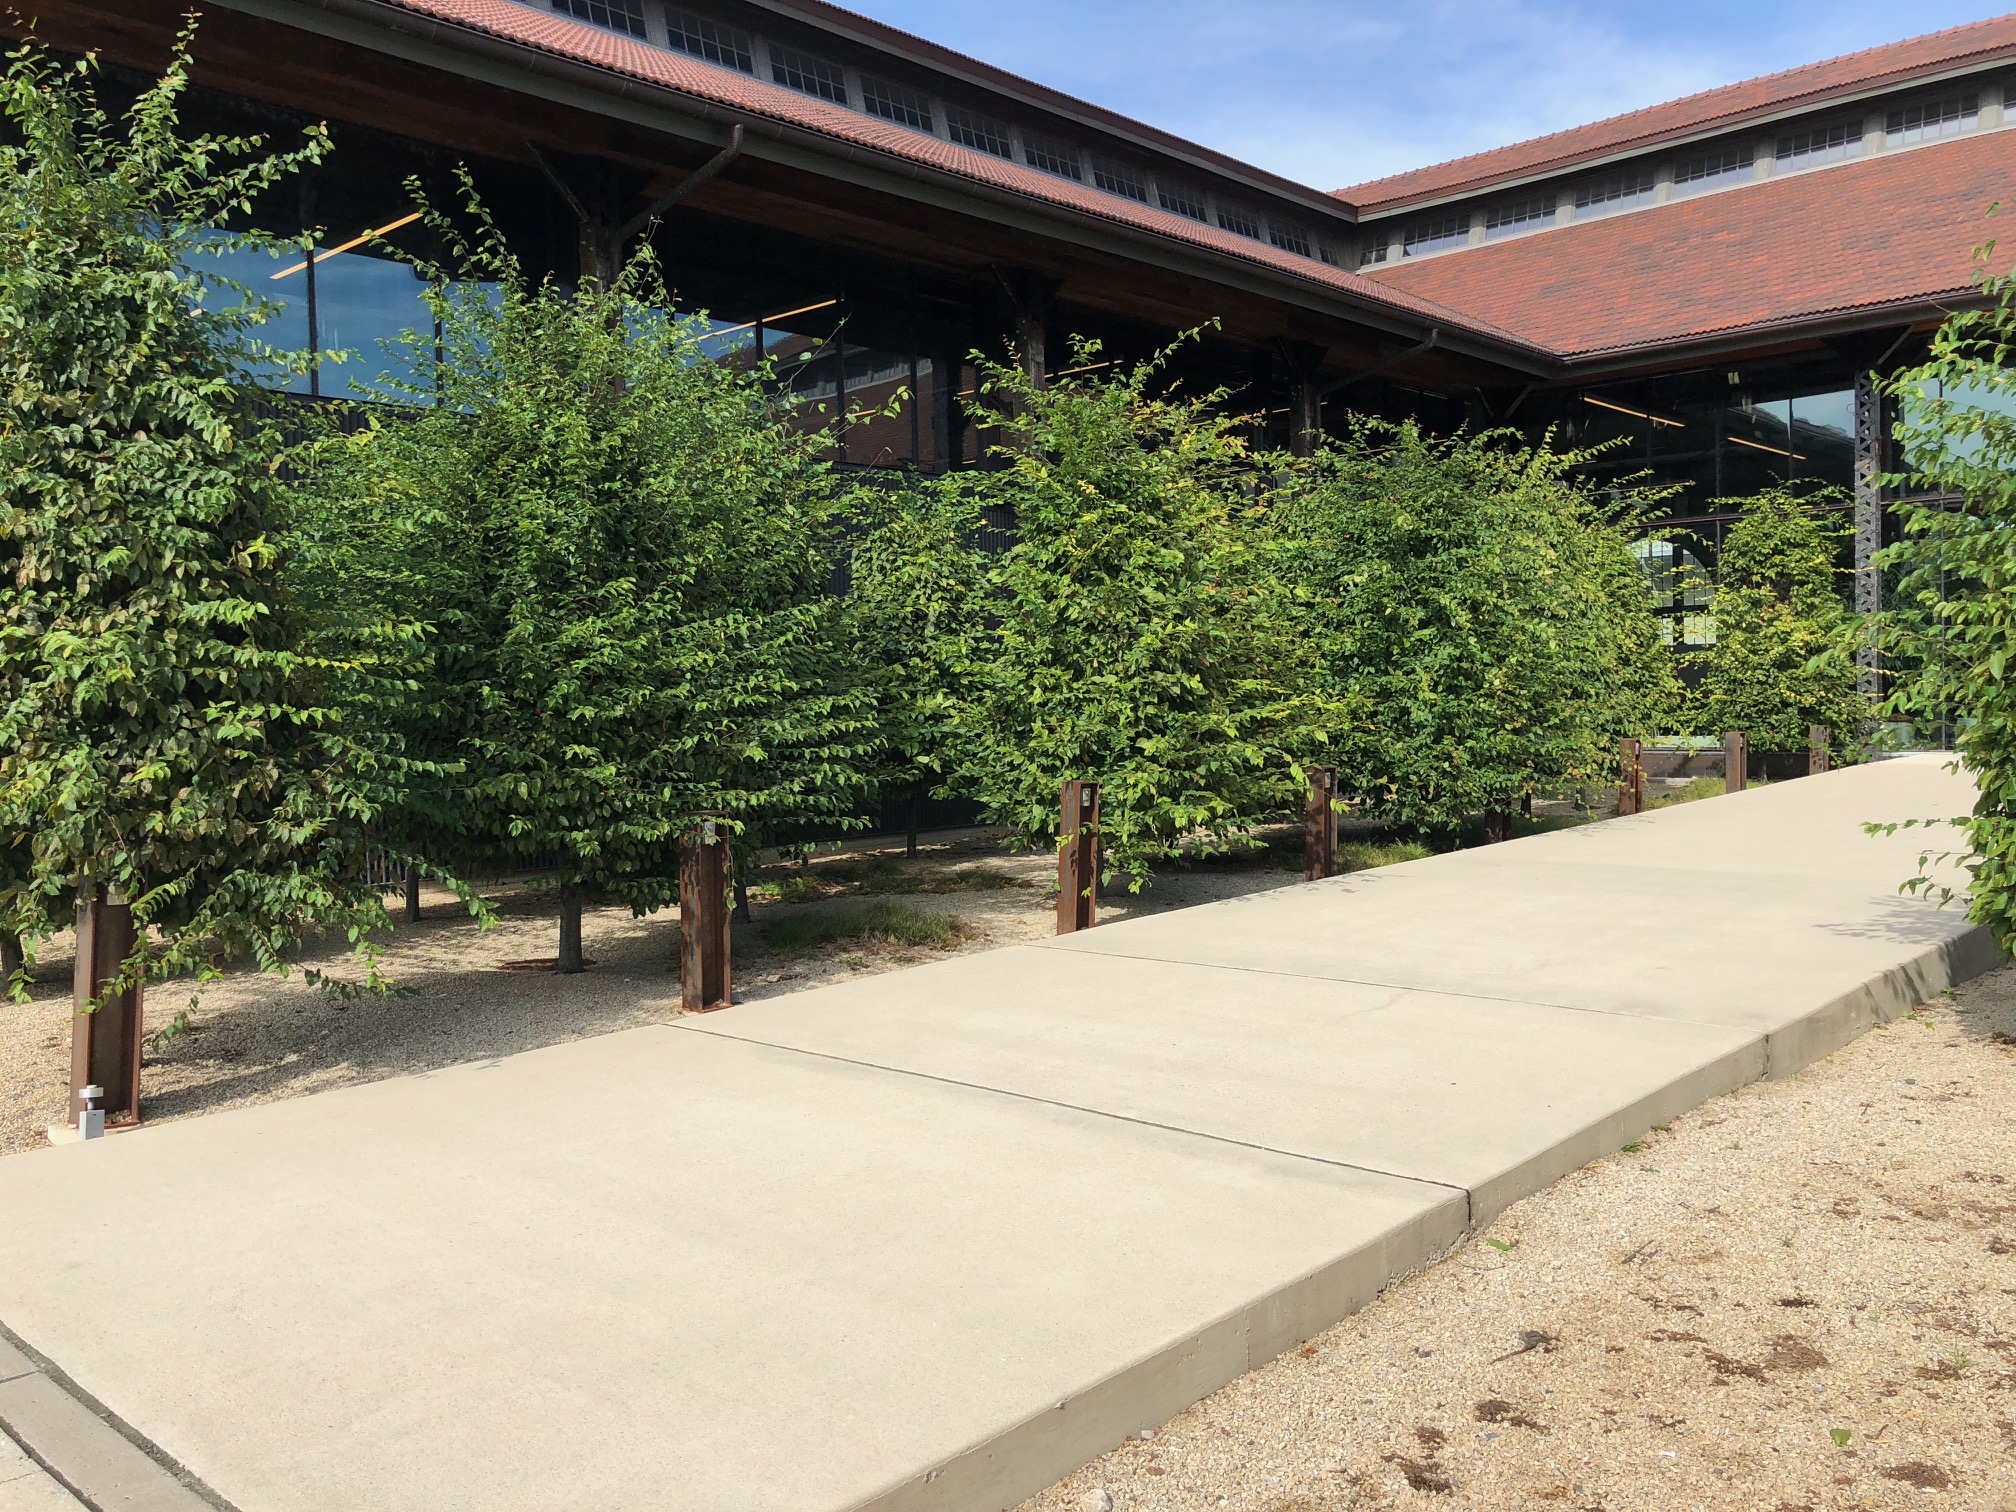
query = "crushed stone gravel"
{"x": 1800, "y": 1296}
{"x": 255, "y": 1038}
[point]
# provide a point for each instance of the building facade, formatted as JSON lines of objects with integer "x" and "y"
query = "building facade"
{"x": 1711, "y": 285}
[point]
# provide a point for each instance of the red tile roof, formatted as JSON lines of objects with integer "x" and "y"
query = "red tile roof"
{"x": 1893, "y": 231}
{"x": 1891, "y": 65}
{"x": 627, "y": 58}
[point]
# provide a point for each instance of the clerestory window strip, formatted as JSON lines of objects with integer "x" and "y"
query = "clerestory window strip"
{"x": 808, "y": 75}
{"x": 1823, "y": 144}
{"x": 1438, "y": 235}
{"x": 1932, "y": 119}
{"x": 982, "y": 133}
{"x": 1616, "y": 191}
{"x": 1053, "y": 155}
{"x": 1181, "y": 199}
{"x": 615, "y": 15}
{"x": 1518, "y": 216}
{"x": 716, "y": 42}
{"x": 1713, "y": 170}
{"x": 1118, "y": 178}
{"x": 710, "y": 40}
{"x": 1239, "y": 221}
{"x": 893, "y": 102}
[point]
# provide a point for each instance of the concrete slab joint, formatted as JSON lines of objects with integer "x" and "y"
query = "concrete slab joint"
{"x": 947, "y": 1232}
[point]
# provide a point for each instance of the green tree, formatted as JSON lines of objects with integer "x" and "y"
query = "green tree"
{"x": 166, "y": 742}
{"x": 1950, "y": 635}
{"x": 1478, "y": 617}
{"x": 625, "y": 558}
{"x": 913, "y": 568}
{"x": 1134, "y": 632}
{"x": 1784, "y": 652}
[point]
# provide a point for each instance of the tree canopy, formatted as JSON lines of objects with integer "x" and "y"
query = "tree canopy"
{"x": 1134, "y": 632}
{"x": 1951, "y": 632}
{"x": 1784, "y": 653}
{"x": 625, "y": 558}
{"x": 1479, "y": 622}
{"x": 166, "y": 739}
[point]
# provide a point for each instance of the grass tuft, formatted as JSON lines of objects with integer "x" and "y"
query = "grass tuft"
{"x": 1363, "y": 855}
{"x": 1699, "y": 788}
{"x": 880, "y": 923}
{"x": 877, "y": 875}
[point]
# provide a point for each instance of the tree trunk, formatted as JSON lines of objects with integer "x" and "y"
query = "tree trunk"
{"x": 742, "y": 914}
{"x": 412, "y": 895}
{"x": 1497, "y": 827}
{"x": 10, "y": 958}
{"x": 916, "y": 805}
{"x": 1526, "y": 804}
{"x": 570, "y": 929}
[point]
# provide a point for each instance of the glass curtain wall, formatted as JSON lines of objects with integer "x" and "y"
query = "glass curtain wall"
{"x": 1713, "y": 439}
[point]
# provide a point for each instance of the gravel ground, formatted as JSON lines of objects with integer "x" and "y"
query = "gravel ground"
{"x": 254, "y": 1038}
{"x": 1800, "y": 1296}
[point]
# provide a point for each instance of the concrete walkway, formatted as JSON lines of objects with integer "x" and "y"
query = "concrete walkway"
{"x": 932, "y": 1239}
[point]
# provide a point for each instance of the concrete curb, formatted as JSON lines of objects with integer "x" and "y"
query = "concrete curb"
{"x": 83, "y": 1447}
{"x": 1013, "y": 1465}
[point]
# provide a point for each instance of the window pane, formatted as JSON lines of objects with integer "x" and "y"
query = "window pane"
{"x": 1437, "y": 235}
{"x": 710, "y": 40}
{"x": 253, "y": 271}
{"x": 981, "y": 133}
{"x": 1239, "y": 221}
{"x": 1518, "y": 216}
{"x": 1052, "y": 155}
{"x": 1182, "y": 199}
{"x": 1932, "y": 119}
{"x": 893, "y": 102}
{"x": 617, "y": 15}
{"x": 1715, "y": 170}
{"x": 1118, "y": 178}
{"x": 1825, "y": 144}
{"x": 808, "y": 75}
{"x": 1289, "y": 238}
{"x": 361, "y": 304}
{"x": 1617, "y": 191}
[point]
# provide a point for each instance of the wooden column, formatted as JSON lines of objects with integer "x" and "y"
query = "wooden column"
{"x": 1735, "y": 762}
{"x": 703, "y": 919}
{"x": 1631, "y": 777}
{"x": 105, "y": 1043}
{"x": 1303, "y": 361}
{"x": 1305, "y": 417}
{"x": 1078, "y": 857}
{"x": 1319, "y": 826}
{"x": 1818, "y": 757}
{"x": 948, "y": 427}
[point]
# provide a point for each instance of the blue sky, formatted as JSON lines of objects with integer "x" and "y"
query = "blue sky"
{"x": 1331, "y": 92}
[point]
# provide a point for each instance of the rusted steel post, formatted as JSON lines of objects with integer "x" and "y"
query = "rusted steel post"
{"x": 1735, "y": 762}
{"x": 1631, "y": 777}
{"x": 105, "y": 1044}
{"x": 1818, "y": 758}
{"x": 703, "y": 919}
{"x": 1078, "y": 857}
{"x": 1319, "y": 826}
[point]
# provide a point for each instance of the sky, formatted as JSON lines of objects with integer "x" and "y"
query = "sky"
{"x": 1334, "y": 92}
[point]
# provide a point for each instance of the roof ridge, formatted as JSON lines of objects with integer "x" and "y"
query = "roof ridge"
{"x": 1366, "y": 190}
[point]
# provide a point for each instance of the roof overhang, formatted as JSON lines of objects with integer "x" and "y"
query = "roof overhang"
{"x": 467, "y": 51}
